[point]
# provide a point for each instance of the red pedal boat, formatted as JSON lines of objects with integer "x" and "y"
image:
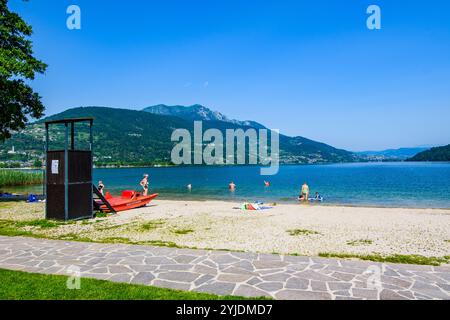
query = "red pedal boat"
{"x": 128, "y": 200}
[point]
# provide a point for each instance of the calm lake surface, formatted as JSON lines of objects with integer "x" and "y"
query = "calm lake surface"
{"x": 422, "y": 185}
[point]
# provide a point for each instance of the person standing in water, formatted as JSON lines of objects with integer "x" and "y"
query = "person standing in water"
{"x": 144, "y": 184}
{"x": 267, "y": 183}
{"x": 232, "y": 186}
{"x": 304, "y": 193}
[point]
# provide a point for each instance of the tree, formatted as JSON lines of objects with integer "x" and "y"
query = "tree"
{"x": 18, "y": 101}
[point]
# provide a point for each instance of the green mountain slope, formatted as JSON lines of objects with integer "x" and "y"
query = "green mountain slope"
{"x": 434, "y": 154}
{"x": 129, "y": 137}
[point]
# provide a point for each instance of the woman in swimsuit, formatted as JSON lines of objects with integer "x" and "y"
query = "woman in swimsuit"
{"x": 304, "y": 193}
{"x": 100, "y": 187}
{"x": 144, "y": 184}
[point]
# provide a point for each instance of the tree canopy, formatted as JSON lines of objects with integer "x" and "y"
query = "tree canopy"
{"x": 18, "y": 101}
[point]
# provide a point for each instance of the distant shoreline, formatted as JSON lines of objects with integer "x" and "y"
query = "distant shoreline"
{"x": 236, "y": 165}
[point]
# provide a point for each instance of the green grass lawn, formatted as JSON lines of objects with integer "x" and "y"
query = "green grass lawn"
{"x": 17, "y": 285}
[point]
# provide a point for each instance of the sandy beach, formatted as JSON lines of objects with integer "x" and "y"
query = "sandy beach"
{"x": 287, "y": 228}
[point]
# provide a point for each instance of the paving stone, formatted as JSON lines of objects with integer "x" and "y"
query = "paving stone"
{"x": 158, "y": 260}
{"x": 297, "y": 283}
{"x": 120, "y": 278}
{"x": 249, "y": 291}
{"x": 99, "y": 270}
{"x": 365, "y": 293}
{"x": 326, "y": 261}
{"x": 176, "y": 267}
{"x": 143, "y": 278}
{"x": 269, "y": 264}
{"x": 297, "y": 267}
{"x": 209, "y": 263}
{"x": 336, "y": 286}
{"x": 407, "y": 294}
{"x": 443, "y": 286}
{"x": 390, "y": 295}
{"x": 245, "y": 255}
{"x": 223, "y": 259}
{"x": 254, "y": 281}
{"x": 276, "y": 277}
{"x": 238, "y": 271}
{"x": 220, "y": 288}
{"x": 317, "y": 266}
{"x": 265, "y": 272}
{"x": 179, "y": 276}
{"x": 269, "y": 257}
{"x": 318, "y": 285}
{"x": 314, "y": 275}
{"x": 143, "y": 268}
{"x": 171, "y": 285}
{"x": 342, "y": 293}
{"x": 270, "y": 286}
{"x": 297, "y": 259}
{"x": 302, "y": 295}
{"x": 119, "y": 269}
{"x": 184, "y": 258}
{"x": 347, "y": 298}
{"x": 205, "y": 270}
{"x": 246, "y": 265}
{"x": 396, "y": 282}
{"x": 204, "y": 278}
{"x": 429, "y": 290}
{"x": 230, "y": 277}
{"x": 343, "y": 276}
{"x": 445, "y": 276}
{"x": 104, "y": 276}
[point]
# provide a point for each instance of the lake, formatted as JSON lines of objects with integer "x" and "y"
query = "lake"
{"x": 400, "y": 184}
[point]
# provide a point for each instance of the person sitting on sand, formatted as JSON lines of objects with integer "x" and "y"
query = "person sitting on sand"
{"x": 267, "y": 183}
{"x": 232, "y": 186}
{"x": 304, "y": 194}
{"x": 144, "y": 184}
{"x": 101, "y": 187}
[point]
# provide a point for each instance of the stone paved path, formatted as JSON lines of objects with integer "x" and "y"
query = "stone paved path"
{"x": 225, "y": 273}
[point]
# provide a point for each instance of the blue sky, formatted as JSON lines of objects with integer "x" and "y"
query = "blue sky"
{"x": 309, "y": 68}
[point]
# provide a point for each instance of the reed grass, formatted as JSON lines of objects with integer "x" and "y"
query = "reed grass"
{"x": 19, "y": 178}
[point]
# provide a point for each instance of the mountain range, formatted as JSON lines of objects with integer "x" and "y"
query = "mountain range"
{"x": 130, "y": 137}
{"x": 392, "y": 154}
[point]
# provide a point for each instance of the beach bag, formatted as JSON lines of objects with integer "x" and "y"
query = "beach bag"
{"x": 32, "y": 198}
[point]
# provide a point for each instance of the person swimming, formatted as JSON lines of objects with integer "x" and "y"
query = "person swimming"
{"x": 318, "y": 197}
{"x": 144, "y": 184}
{"x": 232, "y": 186}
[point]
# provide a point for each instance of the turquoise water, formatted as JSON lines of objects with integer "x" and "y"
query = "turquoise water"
{"x": 421, "y": 185}
{"x": 425, "y": 185}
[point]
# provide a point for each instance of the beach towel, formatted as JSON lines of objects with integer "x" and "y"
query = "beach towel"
{"x": 254, "y": 206}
